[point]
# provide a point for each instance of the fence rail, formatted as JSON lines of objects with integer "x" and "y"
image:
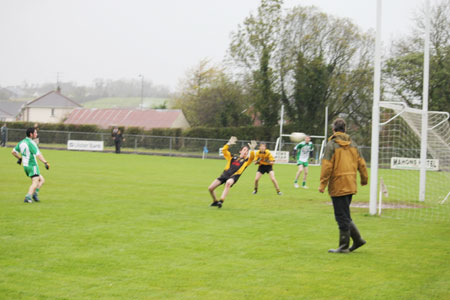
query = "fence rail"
{"x": 159, "y": 145}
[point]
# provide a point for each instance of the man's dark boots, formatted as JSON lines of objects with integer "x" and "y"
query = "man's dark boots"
{"x": 356, "y": 237}
{"x": 344, "y": 242}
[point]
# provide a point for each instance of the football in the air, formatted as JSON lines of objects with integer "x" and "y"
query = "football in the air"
{"x": 297, "y": 137}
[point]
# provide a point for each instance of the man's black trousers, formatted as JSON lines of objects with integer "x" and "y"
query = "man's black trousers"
{"x": 341, "y": 207}
{"x": 118, "y": 144}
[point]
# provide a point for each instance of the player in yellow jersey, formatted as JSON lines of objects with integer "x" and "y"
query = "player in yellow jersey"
{"x": 265, "y": 161}
{"x": 236, "y": 165}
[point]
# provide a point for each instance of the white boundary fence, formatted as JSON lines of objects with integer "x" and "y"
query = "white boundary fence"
{"x": 155, "y": 145}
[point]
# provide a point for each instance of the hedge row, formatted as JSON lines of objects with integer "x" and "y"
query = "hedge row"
{"x": 243, "y": 133}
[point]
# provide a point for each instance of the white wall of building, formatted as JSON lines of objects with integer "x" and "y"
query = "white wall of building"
{"x": 45, "y": 115}
{"x": 181, "y": 122}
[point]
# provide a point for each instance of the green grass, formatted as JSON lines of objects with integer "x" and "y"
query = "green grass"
{"x": 118, "y": 102}
{"x": 139, "y": 227}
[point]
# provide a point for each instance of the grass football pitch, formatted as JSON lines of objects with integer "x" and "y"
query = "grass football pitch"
{"x": 139, "y": 227}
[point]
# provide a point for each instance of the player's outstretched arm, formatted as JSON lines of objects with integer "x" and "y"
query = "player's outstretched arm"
{"x": 232, "y": 140}
{"x": 41, "y": 158}
{"x": 226, "y": 153}
{"x": 252, "y": 145}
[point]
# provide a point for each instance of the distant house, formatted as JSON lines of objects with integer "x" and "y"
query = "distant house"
{"x": 10, "y": 110}
{"x": 11, "y": 93}
{"x": 5, "y": 116}
{"x": 52, "y": 107}
{"x": 147, "y": 118}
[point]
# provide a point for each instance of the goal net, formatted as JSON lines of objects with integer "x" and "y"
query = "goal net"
{"x": 399, "y": 162}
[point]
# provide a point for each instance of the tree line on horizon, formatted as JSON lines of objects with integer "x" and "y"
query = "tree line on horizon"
{"x": 298, "y": 57}
{"x": 305, "y": 59}
{"x": 100, "y": 88}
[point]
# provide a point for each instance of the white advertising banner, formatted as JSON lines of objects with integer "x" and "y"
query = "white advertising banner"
{"x": 406, "y": 163}
{"x": 85, "y": 145}
{"x": 281, "y": 157}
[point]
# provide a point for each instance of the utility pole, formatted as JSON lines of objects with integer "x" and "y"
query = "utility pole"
{"x": 142, "y": 90}
{"x": 58, "y": 87}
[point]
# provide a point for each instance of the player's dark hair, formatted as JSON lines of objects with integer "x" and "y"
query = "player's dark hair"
{"x": 30, "y": 131}
{"x": 339, "y": 125}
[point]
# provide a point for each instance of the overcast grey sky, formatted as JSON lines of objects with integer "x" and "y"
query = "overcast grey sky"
{"x": 161, "y": 39}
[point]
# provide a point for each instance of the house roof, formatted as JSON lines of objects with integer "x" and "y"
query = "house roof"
{"x": 13, "y": 92}
{"x": 53, "y": 99}
{"x": 147, "y": 119}
{"x": 4, "y": 114}
{"x": 11, "y": 108}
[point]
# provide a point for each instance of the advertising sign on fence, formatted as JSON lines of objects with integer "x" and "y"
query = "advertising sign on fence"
{"x": 281, "y": 157}
{"x": 406, "y": 163}
{"x": 85, "y": 145}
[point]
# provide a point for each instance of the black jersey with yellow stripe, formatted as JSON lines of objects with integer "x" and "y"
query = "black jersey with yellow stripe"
{"x": 235, "y": 164}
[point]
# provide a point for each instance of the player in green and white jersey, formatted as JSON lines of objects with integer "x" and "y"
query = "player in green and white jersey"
{"x": 26, "y": 153}
{"x": 303, "y": 149}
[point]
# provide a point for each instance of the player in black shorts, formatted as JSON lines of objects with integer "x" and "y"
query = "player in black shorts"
{"x": 236, "y": 165}
{"x": 265, "y": 161}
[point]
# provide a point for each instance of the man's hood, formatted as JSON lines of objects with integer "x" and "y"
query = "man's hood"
{"x": 341, "y": 138}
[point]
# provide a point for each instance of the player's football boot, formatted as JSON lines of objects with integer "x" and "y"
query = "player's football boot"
{"x": 279, "y": 193}
{"x": 215, "y": 203}
{"x": 219, "y": 204}
{"x": 35, "y": 197}
{"x": 27, "y": 200}
{"x": 254, "y": 192}
{"x": 296, "y": 185}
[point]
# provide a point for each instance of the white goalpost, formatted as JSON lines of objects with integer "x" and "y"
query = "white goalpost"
{"x": 375, "y": 117}
{"x": 283, "y": 156}
{"x": 401, "y": 165}
{"x": 410, "y": 149}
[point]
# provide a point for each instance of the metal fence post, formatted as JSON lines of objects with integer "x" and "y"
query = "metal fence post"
{"x": 135, "y": 144}
{"x": 170, "y": 144}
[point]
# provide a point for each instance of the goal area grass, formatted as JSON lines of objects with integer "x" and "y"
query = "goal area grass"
{"x": 140, "y": 227}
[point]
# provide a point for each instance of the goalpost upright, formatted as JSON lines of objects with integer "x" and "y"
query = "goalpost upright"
{"x": 375, "y": 117}
{"x": 426, "y": 72}
{"x": 374, "y": 164}
{"x": 283, "y": 156}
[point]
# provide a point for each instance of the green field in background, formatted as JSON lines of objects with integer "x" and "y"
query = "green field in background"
{"x": 139, "y": 227}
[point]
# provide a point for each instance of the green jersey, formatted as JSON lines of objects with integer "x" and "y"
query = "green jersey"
{"x": 28, "y": 149}
{"x": 303, "y": 150}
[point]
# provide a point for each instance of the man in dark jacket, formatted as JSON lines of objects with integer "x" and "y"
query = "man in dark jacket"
{"x": 118, "y": 139}
{"x": 340, "y": 163}
{"x": 4, "y": 134}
